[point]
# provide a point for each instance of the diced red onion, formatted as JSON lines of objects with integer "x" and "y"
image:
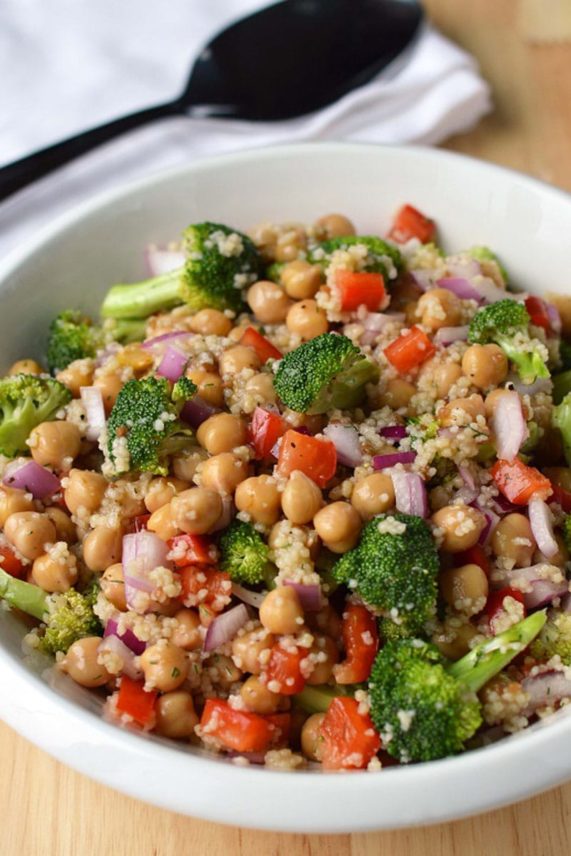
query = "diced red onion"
{"x": 466, "y": 495}
{"x": 393, "y": 432}
{"x": 375, "y": 322}
{"x": 502, "y": 505}
{"x": 196, "y": 411}
{"x": 142, "y": 553}
{"x": 554, "y": 317}
{"x": 173, "y": 364}
{"x": 467, "y": 476}
{"x": 309, "y": 595}
{"x": 489, "y": 290}
{"x": 542, "y": 384}
{"x": 252, "y": 598}
{"x": 543, "y": 591}
{"x": 492, "y": 521}
{"x": 464, "y": 268}
{"x": 383, "y": 462}
{"x": 546, "y": 688}
{"x": 461, "y": 287}
{"x": 133, "y": 642}
{"x": 448, "y": 335}
{"x": 114, "y": 645}
{"x": 345, "y": 438}
{"x": 423, "y": 278}
{"x": 410, "y": 493}
{"x": 161, "y": 261}
{"x": 541, "y": 520}
{"x": 224, "y": 627}
{"x": 228, "y": 511}
{"x": 31, "y": 477}
{"x": 508, "y": 425}
{"x": 92, "y": 399}
{"x": 159, "y": 341}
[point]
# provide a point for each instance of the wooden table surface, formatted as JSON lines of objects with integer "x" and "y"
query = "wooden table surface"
{"x": 48, "y": 810}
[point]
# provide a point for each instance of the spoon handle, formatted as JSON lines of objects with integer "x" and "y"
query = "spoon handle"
{"x": 18, "y": 174}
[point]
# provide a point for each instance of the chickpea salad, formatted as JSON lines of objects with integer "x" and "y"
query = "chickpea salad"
{"x": 303, "y": 497}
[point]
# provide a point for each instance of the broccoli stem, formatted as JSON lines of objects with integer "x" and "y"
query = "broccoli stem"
{"x": 489, "y": 658}
{"x": 318, "y": 699}
{"x": 21, "y": 595}
{"x": 529, "y": 364}
{"x": 141, "y": 299}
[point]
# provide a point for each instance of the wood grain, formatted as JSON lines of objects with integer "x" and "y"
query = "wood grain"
{"x": 48, "y": 810}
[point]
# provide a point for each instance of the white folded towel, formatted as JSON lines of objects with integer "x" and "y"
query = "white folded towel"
{"x": 68, "y": 65}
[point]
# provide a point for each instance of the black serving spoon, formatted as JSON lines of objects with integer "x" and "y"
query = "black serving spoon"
{"x": 283, "y": 61}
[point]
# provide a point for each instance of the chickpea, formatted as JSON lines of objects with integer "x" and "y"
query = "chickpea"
{"x": 301, "y": 279}
{"x": 81, "y": 663}
{"x": 281, "y": 611}
{"x": 84, "y": 491}
{"x": 257, "y": 697}
{"x": 13, "y": 500}
{"x": 559, "y": 559}
{"x": 261, "y": 388}
{"x": 210, "y": 386}
{"x": 462, "y": 411}
{"x": 314, "y": 422}
{"x": 439, "y": 308}
{"x": 28, "y": 532}
{"x": 222, "y": 670}
{"x": 268, "y": 301}
{"x": 135, "y": 357}
{"x": 222, "y": 432}
{"x": 465, "y": 588}
{"x": 373, "y": 494}
{"x": 397, "y": 393}
{"x": 77, "y": 374}
{"x": 223, "y": 473}
{"x": 301, "y": 498}
{"x": 65, "y": 528}
{"x": 461, "y": 526}
{"x": 442, "y": 376}
{"x": 289, "y": 244}
{"x": 113, "y": 586}
{"x": 162, "y": 523}
{"x": 454, "y": 642}
{"x": 102, "y": 547}
{"x": 311, "y": 739}
{"x": 187, "y": 630}
{"x": 185, "y": 465}
{"x": 161, "y": 490}
{"x": 326, "y": 621}
{"x": 210, "y": 322}
{"x": 485, "y": 365}
{"x": 335, "y": 226}
{"x": 236, "y": 333}
{"x": 513, "y": 539}
{"x": 259, "y": 496}
{"x": 307, "y": 320}
{"x": 164, "y": 665}
{"x": 176, "y": 717}
{"x": 25, "y": 367}
{"x": 196, "y": 510}
{"x": 338, "y": 524}
{"x": 110, "y": 385}
{"x": 236, "y": 358}
{"x": 55, "y": 444}
{"x": 251, "y": 650}
{"x": 55, "y": 574}
{"x": 326, "y": 654}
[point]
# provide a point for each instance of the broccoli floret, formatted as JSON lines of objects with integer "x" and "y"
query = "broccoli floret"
{"x": 427, "y": 708}
{"x": 220, "y": 263}
{"x": 506, "y": 323}
{"x": 328, "y": 372}
{"x": 274, "y": 271}
{"x": 382, "y": 257}
{"x": 561, "y": 418}
{"x": 25, "y": 401}
{"x": 244, "y": 555}
{"x": 395, "y": 571}
{"x": 554, "y": 639}
{"x": 484, "y": 254}
{"x": 72, "y": 337}
{"x": 67, "y": 617}
{"x": 146, "y": 417}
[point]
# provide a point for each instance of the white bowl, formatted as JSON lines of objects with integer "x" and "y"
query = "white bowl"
{"x": 74, "y": 261}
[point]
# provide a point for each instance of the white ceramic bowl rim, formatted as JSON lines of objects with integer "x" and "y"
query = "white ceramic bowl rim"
{"x": 193, "y": 783}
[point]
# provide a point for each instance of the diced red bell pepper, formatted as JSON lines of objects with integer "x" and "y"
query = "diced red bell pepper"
{"x": 495, "y": 604}
{"x": 204, "y": 586}
{"x": 360, "y": 289}
{"x": 281, "y": 724}
{"x": 192, "y": 550}
{"x": 284, "y": 667}
{"x": 349, "y": 737}
{"x": 410, "y": 350}
{"x": 265, "y": 430}
{"x": 237, "y": 730}
{"x": 10, "y": 563}
{"x": 316, "y": 458}
{"x": 133, "y": 700}
{"x": 410, "y": 223}
{"x": 518, "y": 482}
{"x": 538, "y": 313}
{"x": 361, "y": 643}
{"x": 561, "y": 496}
{"x": 475, "y": 555}
{"x": 262, "y": 346}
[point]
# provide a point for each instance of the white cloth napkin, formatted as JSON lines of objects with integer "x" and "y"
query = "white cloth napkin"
{"x": 67, "y": 65}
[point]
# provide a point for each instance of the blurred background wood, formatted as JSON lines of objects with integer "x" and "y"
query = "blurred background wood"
{"x": 48, "y": 810}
